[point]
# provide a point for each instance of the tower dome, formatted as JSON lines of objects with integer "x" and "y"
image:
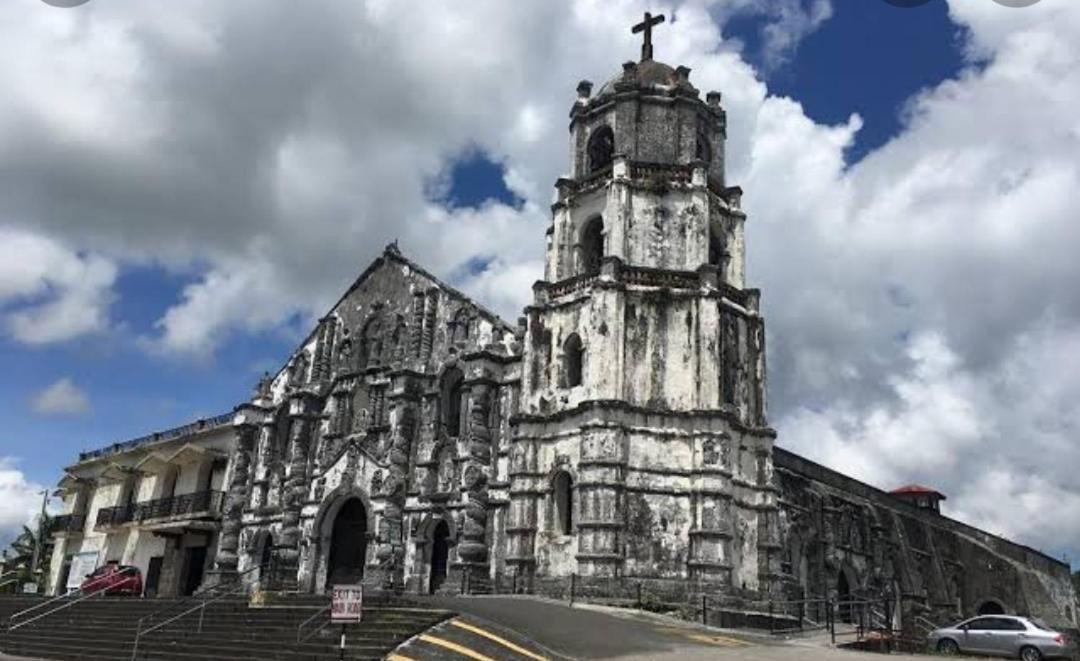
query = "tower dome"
{"x": 648, "y": 75}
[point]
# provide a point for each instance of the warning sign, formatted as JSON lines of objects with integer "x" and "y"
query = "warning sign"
{"x": 347, "y": 603}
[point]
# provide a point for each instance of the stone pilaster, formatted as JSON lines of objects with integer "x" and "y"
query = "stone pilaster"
{"x": 521, "y": 527}
{"x": 427, "y": 337}
{"x": 227, "y": 556}
{"x": 390, "y": 554}
{"x": 295, "y": 489}
{"x": 473, "y": 550}
{"x": 601, "y": 477}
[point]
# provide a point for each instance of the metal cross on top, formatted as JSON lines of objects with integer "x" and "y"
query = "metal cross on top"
{"x": 646, "y": 26}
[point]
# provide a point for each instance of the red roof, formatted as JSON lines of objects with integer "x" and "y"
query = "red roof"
{"x": 917, "y": 489}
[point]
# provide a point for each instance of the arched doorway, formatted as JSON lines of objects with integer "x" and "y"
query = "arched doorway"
{"x": 348, "y": 544}
{"x": 843, "y": 598}
{"x": 991, "y": 607}
{"x": 440, "y": 555}
{"x": 266, "y": 559}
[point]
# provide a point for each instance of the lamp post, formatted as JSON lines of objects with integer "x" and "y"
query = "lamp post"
{"x": 39, "y": 538}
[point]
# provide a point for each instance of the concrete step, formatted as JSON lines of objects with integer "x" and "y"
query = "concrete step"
{"x": 104, "y": 629}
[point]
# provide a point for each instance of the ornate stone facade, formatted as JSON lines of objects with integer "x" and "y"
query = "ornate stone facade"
{"x": 415, "y": 441}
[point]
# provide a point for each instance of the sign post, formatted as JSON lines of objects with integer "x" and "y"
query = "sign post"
{"x": 346, "y": 607}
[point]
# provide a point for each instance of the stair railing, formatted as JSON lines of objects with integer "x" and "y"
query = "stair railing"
{"x": 204, "y": 598}
{"x": 9, "y": 577}
{"x": 301, "y": 636}
{"x": 73, "y": 598}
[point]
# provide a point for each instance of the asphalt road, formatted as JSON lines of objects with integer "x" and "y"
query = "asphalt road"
{"x": 580, "y": 632}
{"x": 588, "y": 632}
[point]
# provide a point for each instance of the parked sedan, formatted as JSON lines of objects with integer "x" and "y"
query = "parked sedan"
{"x": 1001, "y": 635}
{"x": 114, "y": 579}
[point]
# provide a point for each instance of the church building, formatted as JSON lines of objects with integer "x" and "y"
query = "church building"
{"x": 415, "y": 441}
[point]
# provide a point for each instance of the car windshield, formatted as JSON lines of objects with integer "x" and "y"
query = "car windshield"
{"x": 1039, "y": 624}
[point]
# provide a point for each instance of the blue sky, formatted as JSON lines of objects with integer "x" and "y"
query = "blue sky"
{"x": 184, "y": 199}
{"x": 858, "y": 61}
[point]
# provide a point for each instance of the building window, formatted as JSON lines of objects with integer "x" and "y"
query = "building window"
{"x": 717, "y": 249}
{"x": 573, "y": 360}
{"x": 562, "y": 489}
{"x": 703, "y": 149}
{"x": 601, "y": 149}
{"x": 592, "y": 246}
{"x": 371, "y": 343}
{"x": 452, "y": 392}
{"x": 168, "y": 482}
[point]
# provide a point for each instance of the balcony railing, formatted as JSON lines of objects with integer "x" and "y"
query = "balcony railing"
{"x": 68, "y": 523}
{"x": 188, "y": 505}
{"x": 205, "y": 424}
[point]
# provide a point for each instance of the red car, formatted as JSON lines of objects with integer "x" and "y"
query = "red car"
{"x": 114, "y": 579}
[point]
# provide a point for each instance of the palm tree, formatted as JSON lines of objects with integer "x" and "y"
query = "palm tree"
{"x": 19, "y": 556}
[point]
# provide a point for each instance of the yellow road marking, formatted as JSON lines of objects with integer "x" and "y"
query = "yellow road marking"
{"x": 398, "y": 657}
{"x": 502, "y": 641}
{"x": 454, "y": 647}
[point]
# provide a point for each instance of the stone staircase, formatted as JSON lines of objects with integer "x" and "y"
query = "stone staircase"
{"x": 103, "y": 629}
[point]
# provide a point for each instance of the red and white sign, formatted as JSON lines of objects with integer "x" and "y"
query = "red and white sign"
{"x": 347, "y": 603}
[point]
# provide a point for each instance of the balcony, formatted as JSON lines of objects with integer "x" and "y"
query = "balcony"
{"x": 67, "y": 523}
{"x": 198, "y": 505}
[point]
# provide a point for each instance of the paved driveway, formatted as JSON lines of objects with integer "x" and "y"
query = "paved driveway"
{"x": 588, "y": 632}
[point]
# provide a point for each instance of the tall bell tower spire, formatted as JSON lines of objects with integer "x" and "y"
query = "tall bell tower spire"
{"x": 643, "y": 377}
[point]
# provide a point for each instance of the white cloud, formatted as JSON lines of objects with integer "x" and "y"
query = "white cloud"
{"x": 20, "y": 500}
{"x": 63, "y": 397}
{"x": 785, "y": 23}
{"x": 921, "y": 323}
{"x": 51, "y": 293}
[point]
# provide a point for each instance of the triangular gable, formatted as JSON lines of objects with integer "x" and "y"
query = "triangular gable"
{"x": 391, "y": 254}
{"x": 192, "y": 454}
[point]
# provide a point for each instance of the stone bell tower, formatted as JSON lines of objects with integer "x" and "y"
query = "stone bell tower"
{"x": 642, "y": 448}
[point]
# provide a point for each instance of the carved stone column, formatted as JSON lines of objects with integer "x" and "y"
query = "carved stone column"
{"x": 295, "y": 489}
{"x": 227, "y": 556}
{"x": 390, "y": 554}
{"x": 473, "y": 550}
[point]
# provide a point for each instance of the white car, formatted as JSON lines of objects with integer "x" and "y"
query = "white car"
{"x": 1001, "y": 635}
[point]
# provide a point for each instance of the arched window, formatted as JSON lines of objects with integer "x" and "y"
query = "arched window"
{"x": 451, "y": 390}
{"x": 703, "y": 149}
{"x": 717, "y": 249}
{"x": 573, "y": 360}
{"x": 168, "y": 482}
{"x": 298, "y": 370}
{"x": 990, "y": 607}
{"x": 601, "y": 148}
{"x": 461, "y": 326}
{"x": 371, "y": 344}
{"x": 562, "y": 490}
{"x": 592, "y": 245}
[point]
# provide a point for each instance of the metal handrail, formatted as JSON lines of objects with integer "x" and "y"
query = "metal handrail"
{"x": 200, "y": 594}
{"x": 303, "y": 624}
{"x": 227, "y": 589}
{"x": 82, "y": 597}
{"x": 201, "y": 607}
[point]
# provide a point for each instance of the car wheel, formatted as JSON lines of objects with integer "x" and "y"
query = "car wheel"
{"x": 1030, "y": 653}
{"x": 949, "y": 646}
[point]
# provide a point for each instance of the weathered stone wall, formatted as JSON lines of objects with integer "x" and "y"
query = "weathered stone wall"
{"x": 833, "y": 525}
{"x": 655, "y": 115}
{"x": 362, "y": 412}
